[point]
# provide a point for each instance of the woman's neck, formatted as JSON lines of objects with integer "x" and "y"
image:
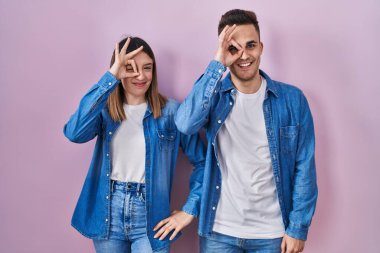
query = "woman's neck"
{"x": 132, "y": 100}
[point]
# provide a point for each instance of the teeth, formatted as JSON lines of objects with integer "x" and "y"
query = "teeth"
{"x": 245, "y": 64}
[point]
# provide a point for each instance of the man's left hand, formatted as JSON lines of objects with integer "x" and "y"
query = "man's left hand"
{"x": 291, "y": 245}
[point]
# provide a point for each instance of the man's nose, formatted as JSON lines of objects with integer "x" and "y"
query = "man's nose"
{"x": 244, "y": 55}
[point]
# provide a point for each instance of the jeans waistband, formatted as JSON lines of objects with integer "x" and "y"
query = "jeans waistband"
{"x": 127, "y": 186}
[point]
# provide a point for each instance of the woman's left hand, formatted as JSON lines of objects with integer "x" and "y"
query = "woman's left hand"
{"x": 177, "y": 221}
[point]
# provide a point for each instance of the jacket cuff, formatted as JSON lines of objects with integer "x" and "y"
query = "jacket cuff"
{"x": 191, "y": 207}
{"x": 215, "y": 69}
{"x": 107, "y": 81}
{"x": 297, "y": 231}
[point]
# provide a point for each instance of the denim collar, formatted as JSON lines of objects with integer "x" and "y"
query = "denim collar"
{"x": 148, "y": 110}
{"x": 271, "y": 86}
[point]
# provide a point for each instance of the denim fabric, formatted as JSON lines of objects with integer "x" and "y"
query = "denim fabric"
{"x": 92, "y": 213}
{"x": 290, "y": 131}
{"x": 128, "y": 221}
{"x": 218, "y": 243}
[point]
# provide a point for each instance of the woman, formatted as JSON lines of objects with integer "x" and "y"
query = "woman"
{"x": 124, "y": 204}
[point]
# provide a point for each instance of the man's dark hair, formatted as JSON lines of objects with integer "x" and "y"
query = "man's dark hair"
{"x": 238, "y": 17}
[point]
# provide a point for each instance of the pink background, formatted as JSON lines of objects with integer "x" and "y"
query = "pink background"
{"x": 51, "y": 52}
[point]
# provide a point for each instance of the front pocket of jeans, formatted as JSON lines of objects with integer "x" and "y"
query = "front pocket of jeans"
{"x": 289, "y": 139}
{"x": 166, "y": 139}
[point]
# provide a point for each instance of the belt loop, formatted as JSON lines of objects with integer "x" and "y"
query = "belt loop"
{"x": 138, "y": 187}
{"x": 112, "y": 183}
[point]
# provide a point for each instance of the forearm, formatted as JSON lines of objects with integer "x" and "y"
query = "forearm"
{"x": 195, "y": 150}
{"x": 305, "y": 191}
{"x": 84, "y": 123}
{"x": 192, "y": 205}
{"x": 193, "y": 112}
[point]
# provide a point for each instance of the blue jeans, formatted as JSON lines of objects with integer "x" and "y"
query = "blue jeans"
{"x": 219, "y": 243}
{"x": 128, "y": 221}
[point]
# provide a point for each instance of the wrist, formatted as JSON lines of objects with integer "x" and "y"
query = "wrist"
{"x": 113, "y": 70}
{"x": 218, "y": 57}
{"x": 220, "y": 61}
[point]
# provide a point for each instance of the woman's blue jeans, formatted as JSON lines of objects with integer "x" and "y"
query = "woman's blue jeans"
{"x": 128, "y": 221}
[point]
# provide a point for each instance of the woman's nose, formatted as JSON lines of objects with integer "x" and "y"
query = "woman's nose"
{"x": 141, "y": 75}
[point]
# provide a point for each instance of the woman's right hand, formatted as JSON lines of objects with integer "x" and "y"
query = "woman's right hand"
{"x": 122, "y": 59}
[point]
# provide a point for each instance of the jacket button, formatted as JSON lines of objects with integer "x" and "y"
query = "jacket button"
{"x": 219, "y": 121}
{"x": 217, "y": 187}
{"x": 213, "y": 208}
{"x": 110, "y": 133}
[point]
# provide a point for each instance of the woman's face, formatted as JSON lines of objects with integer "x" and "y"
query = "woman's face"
{"x": 136, "y": 87}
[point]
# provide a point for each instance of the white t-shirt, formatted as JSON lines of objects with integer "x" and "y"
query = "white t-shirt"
{"x": 128, "y": 146}
{"x": 248, "y": 207}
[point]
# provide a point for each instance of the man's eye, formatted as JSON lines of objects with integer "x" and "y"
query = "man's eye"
{"x": 232, "y": 49}
{"x": 251, "y": 45}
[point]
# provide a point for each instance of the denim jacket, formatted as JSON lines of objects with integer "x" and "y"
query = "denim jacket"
{"x": 162, "y": 139}
{"x": 290, "y": 131}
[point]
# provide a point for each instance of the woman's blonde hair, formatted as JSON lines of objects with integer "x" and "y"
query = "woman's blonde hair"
{"x": 155, "y": 100}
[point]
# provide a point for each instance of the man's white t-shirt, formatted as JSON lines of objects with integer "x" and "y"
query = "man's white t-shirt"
{"x": 248, "y": 207}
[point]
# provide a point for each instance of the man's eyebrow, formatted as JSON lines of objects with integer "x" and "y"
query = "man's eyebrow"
{"x": 251, "y": 42}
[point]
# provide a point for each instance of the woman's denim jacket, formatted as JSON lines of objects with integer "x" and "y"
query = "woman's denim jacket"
{"x": 92, "y": 213}
{"x": 290, "y": 131}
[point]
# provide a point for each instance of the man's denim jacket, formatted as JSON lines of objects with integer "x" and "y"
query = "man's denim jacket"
{"x": 162, "y": 139}
{"x": 290, "y": 131}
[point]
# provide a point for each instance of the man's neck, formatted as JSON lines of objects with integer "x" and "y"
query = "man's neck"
{"x": 247, "y": 87}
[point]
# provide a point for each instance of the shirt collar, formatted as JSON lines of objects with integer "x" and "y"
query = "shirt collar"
{"x": 271, "y": 86}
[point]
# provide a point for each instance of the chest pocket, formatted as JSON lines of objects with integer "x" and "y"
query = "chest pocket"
{"x": 166, "y": 139}
{"x": 289, "y": 139}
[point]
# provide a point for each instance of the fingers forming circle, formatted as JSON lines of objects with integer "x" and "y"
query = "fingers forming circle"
{"x": 126, "y": 44}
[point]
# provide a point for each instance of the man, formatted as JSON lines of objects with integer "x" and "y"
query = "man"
{"x": 259, "y": 186}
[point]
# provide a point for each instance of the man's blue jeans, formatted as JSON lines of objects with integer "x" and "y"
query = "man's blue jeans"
{"x": 128, "y": 221}
{"x": 219, "y": 243}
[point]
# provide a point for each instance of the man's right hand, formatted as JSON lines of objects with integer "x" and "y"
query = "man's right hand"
{"x": 122, "y": 59}
{"x": 228, "y": 50}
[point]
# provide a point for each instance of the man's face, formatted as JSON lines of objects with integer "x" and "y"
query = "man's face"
{"x": 246, "y": 68}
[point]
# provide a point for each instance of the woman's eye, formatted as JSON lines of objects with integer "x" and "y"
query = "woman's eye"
{"x": 129, "y": 69}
